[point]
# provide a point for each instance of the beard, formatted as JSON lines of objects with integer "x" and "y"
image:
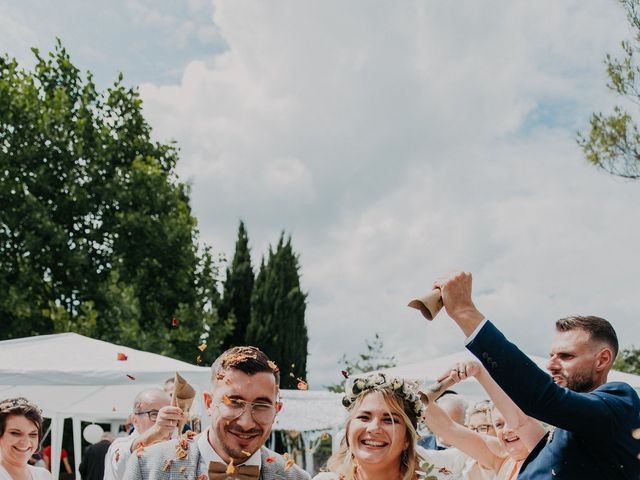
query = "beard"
{"x": 581, "y": 383}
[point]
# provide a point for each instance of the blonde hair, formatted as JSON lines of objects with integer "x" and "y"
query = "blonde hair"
{"x": 344, "y": 463}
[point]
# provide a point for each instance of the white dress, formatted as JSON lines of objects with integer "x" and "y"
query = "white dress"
{"x": 37, "y": 473}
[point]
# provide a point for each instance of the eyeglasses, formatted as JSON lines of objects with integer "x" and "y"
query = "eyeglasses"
{"x": 232, "y": 408}
{"x": 153, "y": 414}
{"x": 483, "y": 428}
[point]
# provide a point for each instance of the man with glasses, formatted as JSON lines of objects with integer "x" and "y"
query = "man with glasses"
{"x": 242, "y": 407}
{"x": 154, "y": 420}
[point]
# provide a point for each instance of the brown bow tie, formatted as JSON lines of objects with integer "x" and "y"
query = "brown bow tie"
{"x": 218, "y": 471}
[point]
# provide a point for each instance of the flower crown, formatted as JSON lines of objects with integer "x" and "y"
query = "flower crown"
{"x": 10, "y": 404}
{"x": 380, "y": 381}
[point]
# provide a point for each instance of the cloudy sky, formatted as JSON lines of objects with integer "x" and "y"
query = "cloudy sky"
{"x": 394, "y": 140}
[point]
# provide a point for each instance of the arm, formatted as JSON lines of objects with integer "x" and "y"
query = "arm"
{"x": 461, "y": 437}
{"x": 67, "y": 466}
{"x": 162, "y": 429}
{"x": 529, "y": 429}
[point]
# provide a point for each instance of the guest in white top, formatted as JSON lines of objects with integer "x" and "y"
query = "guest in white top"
{"x": 20, "y": 431}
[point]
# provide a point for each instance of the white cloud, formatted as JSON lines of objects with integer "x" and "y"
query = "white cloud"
{"x": 398, "y": 141}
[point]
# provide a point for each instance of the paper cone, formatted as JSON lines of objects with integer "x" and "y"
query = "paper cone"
{"x": 434, "y": 391}
{"x": 183, "y": 395}
{"x": 429, "y": 305}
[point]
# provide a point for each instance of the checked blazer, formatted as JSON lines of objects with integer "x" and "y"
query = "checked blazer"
{"x": 159, "y": 462}
{"x": 593, "y": 435}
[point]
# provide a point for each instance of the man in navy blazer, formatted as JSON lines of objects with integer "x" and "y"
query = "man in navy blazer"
{"x": 594, "y": 419}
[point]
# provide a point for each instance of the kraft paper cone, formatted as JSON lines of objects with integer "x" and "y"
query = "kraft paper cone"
{"x": 183, "y": 395}
{"x": 429, "y": 305}
{"x": 434, "y": 391}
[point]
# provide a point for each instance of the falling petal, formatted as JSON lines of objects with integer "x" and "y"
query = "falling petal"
{"x": 121, "y": 357}
{"x": 230, "y": 468}
{"x": 202, "y": 347}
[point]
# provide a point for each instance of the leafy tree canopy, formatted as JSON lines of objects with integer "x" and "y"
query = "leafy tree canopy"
{"x": 613, "y": 141}
{"x": 96, "y": 231}
{"x": 628, "y": 360}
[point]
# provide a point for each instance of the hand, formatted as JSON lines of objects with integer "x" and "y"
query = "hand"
{"x": 167, "y": 420}
{"x": 463, "y": 370}
{"x": 456, "y": 296}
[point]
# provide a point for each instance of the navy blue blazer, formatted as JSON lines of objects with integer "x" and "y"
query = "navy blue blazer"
{"x": 592, "y": 439}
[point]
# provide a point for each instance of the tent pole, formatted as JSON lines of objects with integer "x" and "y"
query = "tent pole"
{"x": 57, "y": 427}
{"x": 77, "y": 445}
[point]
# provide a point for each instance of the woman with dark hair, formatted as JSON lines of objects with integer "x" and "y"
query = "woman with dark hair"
{"x": 380, "y": 432}
{"x": 20, "y": 430}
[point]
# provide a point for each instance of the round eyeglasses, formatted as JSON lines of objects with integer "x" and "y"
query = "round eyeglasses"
{"x": 232, "y": 408}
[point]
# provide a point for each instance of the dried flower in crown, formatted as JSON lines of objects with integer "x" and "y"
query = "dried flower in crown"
{"x": 382, "y": 382}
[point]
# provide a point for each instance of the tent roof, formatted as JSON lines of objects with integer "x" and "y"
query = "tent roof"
{"x": 72, "y": 359}
{"x": 310, "y": 410}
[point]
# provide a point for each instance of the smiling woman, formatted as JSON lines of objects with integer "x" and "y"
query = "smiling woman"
{"x": 20, "y": 430}
{"x": 380, "y": 436}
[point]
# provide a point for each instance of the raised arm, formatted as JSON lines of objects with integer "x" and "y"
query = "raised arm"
{"x": 460, "y": 437}
{"x": 529, "y": 429}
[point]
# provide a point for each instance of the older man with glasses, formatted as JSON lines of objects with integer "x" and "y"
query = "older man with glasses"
{"x": 154, "y": 420}
{"x": 242, "y": 406}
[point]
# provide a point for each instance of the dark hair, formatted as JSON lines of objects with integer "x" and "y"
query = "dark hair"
{"x": 20, "y": 407}
{"x": 598, "y": 329}
{"x": 248, "y": 360}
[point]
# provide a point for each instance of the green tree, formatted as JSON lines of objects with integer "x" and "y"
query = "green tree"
{"x": 371, "y": 360}
{"x": 238, "y": 286}
{"x": 613, "y": 141}
{"x": 628, "y": 360}
{"x": 278, "y": 307}
{"x": 96, "y": 231}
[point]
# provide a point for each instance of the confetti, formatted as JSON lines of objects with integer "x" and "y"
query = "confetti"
{"x": 273, "y": 366}
{"x": 117, "y": 455}
{"x": 166, "y": 465}
{"x": 203, "y": 476}
{"x": 130, "y": 377}
{"x": 220, "y": 375}
{"x": 226, "y": 400}
{"x": 345, "y": 374}
{"x": 183, "y": 468}
{"x": 325, "y": 436}
{"x": 198, "y": 359}
{"x": 121, "y": 357}
{"x": 302, "y": 385}
{"x": 113, "y": 409}
{"x": 202, "y": 347}
{"x": 636, "y": 434}
{"x": 174, "y": 322}
{"x": 270, "y": 459}
{"x": 230, "y": 468}
{"x": 289, "y": 462}
{"x": 244, "y": 452}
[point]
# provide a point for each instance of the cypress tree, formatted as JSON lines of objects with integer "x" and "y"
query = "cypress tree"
{"x": 277, "y": 313}
{"x": 236, "y": 296}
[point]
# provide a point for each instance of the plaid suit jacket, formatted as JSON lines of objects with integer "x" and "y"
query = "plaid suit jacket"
{"x": 159, "y": 462}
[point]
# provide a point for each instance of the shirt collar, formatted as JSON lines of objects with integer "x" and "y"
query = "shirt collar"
{"x": 208, "y": 454}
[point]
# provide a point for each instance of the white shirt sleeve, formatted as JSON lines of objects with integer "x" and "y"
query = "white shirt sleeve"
{"x": 475, "y": 332}
{"x": 115, "y": 461}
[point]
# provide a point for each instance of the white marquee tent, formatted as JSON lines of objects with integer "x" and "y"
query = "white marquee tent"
{"x": 72, "y": 376}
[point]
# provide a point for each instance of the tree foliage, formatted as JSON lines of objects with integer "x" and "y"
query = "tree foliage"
{"x": 371, "y": 360}
{"x": 628, "y": 360}
{"x": 238, "y": 287}
{"x": 96, "y": 231}
{"x": 278, "y": 307}
{"x": 613, "y": 141}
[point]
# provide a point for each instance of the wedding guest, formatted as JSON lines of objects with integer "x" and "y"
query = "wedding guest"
{"x": 64, "y": 459}
{"x": 20, "y": 432}
{"x": 454, "y": 406}
{"x": 518, "y": 434}
{"x": 595, "y": 419}
{"x": 153, "y": 418}
{"x": 92, "y": 465}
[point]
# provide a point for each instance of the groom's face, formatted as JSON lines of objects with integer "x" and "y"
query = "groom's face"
{"x": 572, "y": 361}
{"x": 238, "y": 438}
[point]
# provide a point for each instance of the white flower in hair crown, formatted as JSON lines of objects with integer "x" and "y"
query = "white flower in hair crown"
{"x": 380, "y": 381}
